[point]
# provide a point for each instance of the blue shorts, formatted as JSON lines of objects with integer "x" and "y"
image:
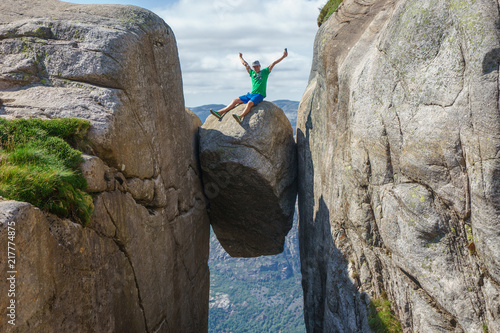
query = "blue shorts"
{"x": 255, "y": 98}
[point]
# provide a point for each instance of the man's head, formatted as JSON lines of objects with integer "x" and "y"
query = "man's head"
{"x": 256, "y": 66}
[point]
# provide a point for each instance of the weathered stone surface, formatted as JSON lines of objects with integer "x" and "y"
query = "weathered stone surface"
{"x": 142, "y": 191}
{"x": 399, "y": 163}
{"x": 57, "y": 263}
{"x": 141, "y": 264}
{"x": 249, "y": 172}
{"x": 94, "y": 171}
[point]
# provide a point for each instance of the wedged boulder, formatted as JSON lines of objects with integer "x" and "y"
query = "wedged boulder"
{"x": 249, "y": 172}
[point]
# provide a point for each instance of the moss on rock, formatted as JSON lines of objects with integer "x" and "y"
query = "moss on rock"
{"x": 381, "y": 318}
{"x": 38, "y": 165}
{"x": 328, "y": 9}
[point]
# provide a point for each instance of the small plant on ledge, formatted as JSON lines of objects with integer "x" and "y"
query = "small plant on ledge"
{"x": 328, "y": 9}
{"x": 39, "y": 166}
{"x": 381, "y": 318}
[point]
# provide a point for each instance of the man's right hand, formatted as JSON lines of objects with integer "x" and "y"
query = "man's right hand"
{"x": 245, "y": 63}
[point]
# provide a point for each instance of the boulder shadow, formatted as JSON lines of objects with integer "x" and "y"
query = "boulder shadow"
{"x": 491, "y": 61}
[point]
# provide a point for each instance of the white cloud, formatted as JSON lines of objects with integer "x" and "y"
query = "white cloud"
{"x": 210, "y": 34}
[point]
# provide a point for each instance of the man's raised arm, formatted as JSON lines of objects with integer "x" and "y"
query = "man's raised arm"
{"x": 285, "y": 54}
{"x": 247, "y": 66}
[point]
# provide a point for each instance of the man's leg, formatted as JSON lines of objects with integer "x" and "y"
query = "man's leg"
{"x": 247, "y": 109}
{"x": 256, "y": 99}
{"x": 235, "y": 102}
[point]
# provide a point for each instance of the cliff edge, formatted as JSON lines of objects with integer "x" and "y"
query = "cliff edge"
{"x": 141, "y": 263}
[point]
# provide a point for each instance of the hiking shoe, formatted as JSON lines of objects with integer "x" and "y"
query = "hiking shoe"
{"x": 238, "y": 118}
{"x": 215, "y": 113}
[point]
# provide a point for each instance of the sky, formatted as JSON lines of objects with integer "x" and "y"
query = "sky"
{"x": 210, "y": 35}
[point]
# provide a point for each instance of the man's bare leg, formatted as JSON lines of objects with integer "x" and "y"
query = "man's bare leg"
{"x": 235, "y": 102}
{"x": 247, "y": 109}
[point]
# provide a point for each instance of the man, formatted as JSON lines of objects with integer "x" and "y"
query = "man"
{"x": 259, "y": 84}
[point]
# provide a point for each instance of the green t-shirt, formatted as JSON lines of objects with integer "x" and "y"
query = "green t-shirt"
{"x": 259, "y": 81}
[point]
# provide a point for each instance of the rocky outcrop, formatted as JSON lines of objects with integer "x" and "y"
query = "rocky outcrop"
{"x": 141, "y": 263}
{"x": 249, "y": 172}
{"x": 399, "y": 192}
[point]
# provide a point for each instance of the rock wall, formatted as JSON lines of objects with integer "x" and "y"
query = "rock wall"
{"x": 399, "y": 166}
{"x": 141, "y": 264}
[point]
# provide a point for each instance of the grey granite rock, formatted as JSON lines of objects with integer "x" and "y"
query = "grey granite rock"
{"x": 398, "y": 140}
{"x": 249, "y": 173}
{"x": 141, "y": 263}
{"x": 94, "y": 170}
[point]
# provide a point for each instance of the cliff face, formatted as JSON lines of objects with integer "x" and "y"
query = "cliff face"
{"x": 141, "y": 264}
{"x": 399, "y": 166}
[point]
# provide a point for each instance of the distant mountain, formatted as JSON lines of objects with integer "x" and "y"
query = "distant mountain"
{"x": 289, "y": 107}
{"x": 262, "y": 294}
{"x": 204, "y": 111}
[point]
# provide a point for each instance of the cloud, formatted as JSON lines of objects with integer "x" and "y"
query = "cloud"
{"x": 210, "y": 34}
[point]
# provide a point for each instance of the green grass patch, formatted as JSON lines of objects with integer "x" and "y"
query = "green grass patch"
{"x": 328, "y": 9}
{"x": 381, "y": 318}
{"x": 38, "y": 165}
